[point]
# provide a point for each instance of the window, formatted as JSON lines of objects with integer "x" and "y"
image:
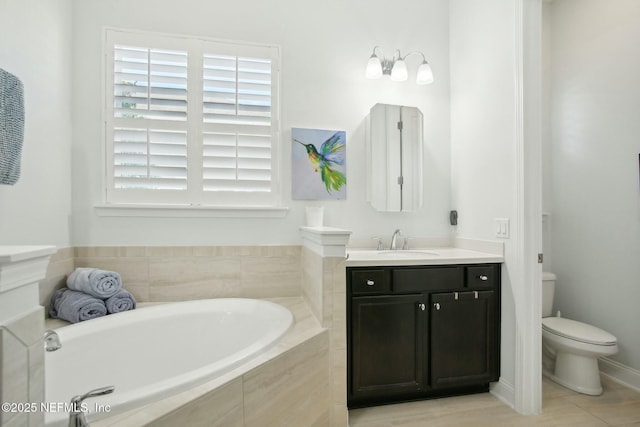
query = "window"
{"x": 190, "y": 121}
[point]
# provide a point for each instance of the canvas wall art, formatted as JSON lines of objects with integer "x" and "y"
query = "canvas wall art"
{"x": 319, "y": 169}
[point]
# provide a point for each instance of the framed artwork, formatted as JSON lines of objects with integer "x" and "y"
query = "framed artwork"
{"x": 318, "y": 159}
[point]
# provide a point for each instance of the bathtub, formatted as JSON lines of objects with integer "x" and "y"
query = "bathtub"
{"x": 153, "y": 352}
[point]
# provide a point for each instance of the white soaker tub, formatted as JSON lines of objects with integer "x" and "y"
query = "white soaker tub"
{"x": 153, "y": 352}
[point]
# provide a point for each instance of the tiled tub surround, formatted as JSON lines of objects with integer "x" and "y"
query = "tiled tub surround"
{"x": 291, "y": 384}
{"x": 160, "y": 274}
{"x": 287, "y": 385}
{"x": 22, "y": 367}
{"x": 21, "y": 329}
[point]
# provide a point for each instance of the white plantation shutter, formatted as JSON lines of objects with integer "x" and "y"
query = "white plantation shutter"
{"x": 150, "y": 83}
{"x": 237, "y": 146}
{"x": 150, "y": 158}
{"x": 190, "y": 121}
{"x": 236, "y": 162}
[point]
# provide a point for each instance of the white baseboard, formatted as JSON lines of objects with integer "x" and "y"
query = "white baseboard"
{"x": 616, "y": 371}
{"x": 505, "y": 392}
{"x": 620, "y": 373}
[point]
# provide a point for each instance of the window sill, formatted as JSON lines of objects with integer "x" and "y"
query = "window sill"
{"x": 188, "y": 211}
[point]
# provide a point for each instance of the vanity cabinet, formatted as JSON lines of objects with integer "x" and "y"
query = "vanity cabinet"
{"x": 421, "y": 331}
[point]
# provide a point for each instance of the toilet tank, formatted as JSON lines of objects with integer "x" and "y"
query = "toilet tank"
{"x": 548, "y": 289}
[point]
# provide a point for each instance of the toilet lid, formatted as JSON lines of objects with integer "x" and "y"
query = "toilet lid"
{"x": 577, "y": 331}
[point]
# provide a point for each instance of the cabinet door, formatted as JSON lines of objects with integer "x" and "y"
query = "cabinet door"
{"x": 463, "y": 338}
{"x": 386, "y": 343}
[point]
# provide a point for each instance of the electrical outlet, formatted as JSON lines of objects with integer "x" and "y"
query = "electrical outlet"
{"x": 502, "y": 228}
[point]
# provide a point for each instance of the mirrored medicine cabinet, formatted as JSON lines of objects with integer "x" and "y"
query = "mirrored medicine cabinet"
{"x": 394, "y": 158}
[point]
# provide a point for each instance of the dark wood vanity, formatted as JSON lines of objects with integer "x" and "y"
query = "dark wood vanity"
{"x": 418, "y": 332}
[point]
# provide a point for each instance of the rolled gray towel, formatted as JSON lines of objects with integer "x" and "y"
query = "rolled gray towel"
{"x": 95, "y": 282}
{"x": 74, "y": 306}
{"x": 121, "y": 301}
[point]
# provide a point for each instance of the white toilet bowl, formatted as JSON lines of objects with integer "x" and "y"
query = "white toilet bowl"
{"x": 570, "y": 353}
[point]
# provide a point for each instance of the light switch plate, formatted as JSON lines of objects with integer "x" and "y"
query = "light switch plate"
{"x": 502, "y": 228}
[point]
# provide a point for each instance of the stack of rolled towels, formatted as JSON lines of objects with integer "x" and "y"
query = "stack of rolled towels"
{"x": 90, "y": 293}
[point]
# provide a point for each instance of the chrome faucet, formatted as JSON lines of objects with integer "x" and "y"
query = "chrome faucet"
{"x": 394, "y": 245}
{"x": 51, "y": 340}
{"x": 76, "y": 416}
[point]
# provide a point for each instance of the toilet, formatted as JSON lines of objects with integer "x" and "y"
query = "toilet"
{"x": 570, "y": 349}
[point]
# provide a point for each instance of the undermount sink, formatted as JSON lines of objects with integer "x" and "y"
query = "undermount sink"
{"x": 405, "y": 253}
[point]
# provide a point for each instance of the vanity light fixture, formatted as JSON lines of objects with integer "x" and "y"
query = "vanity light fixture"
{"x": 396, "y": 67}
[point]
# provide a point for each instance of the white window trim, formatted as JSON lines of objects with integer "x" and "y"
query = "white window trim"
{"x": 187, "y": 211}
{"x": 111, "y": 208}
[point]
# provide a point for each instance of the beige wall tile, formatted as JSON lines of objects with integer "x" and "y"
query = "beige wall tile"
{"x": 312, "y": 282}
{"x": 62, "y": 254}
{"x": 36, "y": 381}
{"x": 14, "y": 370}
{"x": 110, "y": 251}
{"x": 60, "y": 266}
{"x": 339, "y": 415}
{"x": 339, "y": 370}
{"x": 177, "y": 279}
{"x": 22, "y": 365}
{"x": 29, "y": 327}
{"x": 169, "y": 251}
{"x": 8, "y": 419}
{"x": 167, "y": 273}
{"x": 272, "y": 276}
{"x": 295, "y": 384}
{"x": 220, "y": 408}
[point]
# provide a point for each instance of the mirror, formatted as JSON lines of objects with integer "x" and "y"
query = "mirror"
{"x": 394, "y": 158}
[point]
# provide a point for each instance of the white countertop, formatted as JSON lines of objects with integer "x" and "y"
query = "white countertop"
{"x": 425, "y": 256}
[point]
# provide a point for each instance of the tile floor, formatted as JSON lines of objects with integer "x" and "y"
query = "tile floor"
{"x": 617, "y": 406}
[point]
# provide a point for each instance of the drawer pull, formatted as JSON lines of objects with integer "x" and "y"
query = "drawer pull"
{"x": 483, "y": 277}
{"x": 370, "y": 282}
{"x": 436, "y": 306}
{"x": 422, "y": 307}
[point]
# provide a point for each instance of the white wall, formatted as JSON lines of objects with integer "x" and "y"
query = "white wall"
{"x": 594, "y": 187}
{"x": 36, "y": 47}
{"x": 325, "y": 46}
{"x": 483, "y": 136}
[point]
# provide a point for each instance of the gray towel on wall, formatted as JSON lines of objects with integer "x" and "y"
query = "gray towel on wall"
{"x": 11, "y": 127}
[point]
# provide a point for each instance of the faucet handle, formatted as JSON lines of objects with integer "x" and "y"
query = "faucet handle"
{"x": 76, "y": 415}
{"x": 77, "y": 400}
{"x": 379, "y": 246}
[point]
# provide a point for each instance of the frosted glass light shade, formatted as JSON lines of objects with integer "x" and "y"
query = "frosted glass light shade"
{"x": 399, "y": 71}
{"x": 374, "y": 68}
{"x": 425, "y": 75}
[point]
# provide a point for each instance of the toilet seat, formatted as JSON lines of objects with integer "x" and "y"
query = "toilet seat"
{"x": 578, "y": 331}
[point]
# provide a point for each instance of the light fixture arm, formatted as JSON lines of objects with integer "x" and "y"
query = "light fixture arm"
{"x": 415, "y": 52}
{"x": 396, "y": 67}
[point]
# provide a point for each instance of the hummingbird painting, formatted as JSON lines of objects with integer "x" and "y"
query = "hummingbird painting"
{"x": 331, "y": 153}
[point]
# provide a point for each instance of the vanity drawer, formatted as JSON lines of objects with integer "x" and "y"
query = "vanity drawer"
{"x": 428, "y": 279}
{"x": 482, "y": 276}
{"x": 373, "y": 281}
